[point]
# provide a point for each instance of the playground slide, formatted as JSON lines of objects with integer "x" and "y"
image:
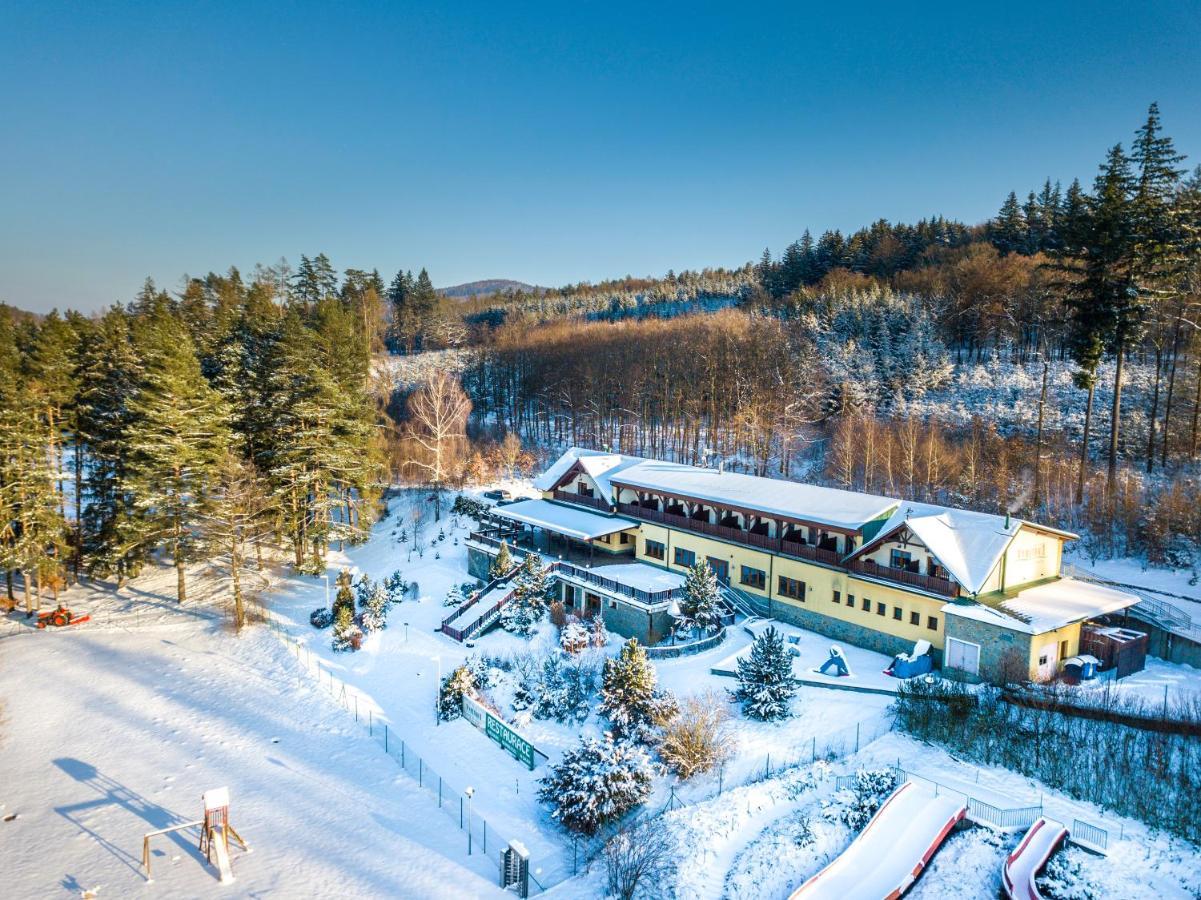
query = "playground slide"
{"x": 1024, "y": 863}
{"x": 889, "y": 854}
{"x": 219, "y": 850}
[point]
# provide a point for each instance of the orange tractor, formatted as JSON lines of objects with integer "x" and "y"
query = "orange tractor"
{"x": 60, "y": 618}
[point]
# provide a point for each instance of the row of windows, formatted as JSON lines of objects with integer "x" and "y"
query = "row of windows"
{"x": 898, "y": 614}
{"x": 786, "y": 587}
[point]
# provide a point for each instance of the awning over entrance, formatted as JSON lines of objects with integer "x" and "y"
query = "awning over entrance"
{"x": 574, "y": 523}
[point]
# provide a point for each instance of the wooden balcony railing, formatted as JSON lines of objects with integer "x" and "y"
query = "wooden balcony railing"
{"x": 931, "y": 583}
{"x": 580, "y": 499}
{"x": 782, "y": 546}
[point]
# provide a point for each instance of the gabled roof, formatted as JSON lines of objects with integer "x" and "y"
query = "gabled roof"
{"x": 1047, "y": 606}
{"x": 846, "y": 510}
{"x": 599, "y": 466}
{"x": 967, "y": 544}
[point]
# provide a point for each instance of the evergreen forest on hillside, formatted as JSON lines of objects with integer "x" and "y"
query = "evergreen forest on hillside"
{"x": 1045, "y": 362}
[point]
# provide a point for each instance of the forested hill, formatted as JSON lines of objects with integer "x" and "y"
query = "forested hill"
{"x": 488, "y": 287}
{"x": 1046, "y": 362}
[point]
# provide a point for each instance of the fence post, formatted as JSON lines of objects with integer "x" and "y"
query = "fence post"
{"x": 485, "y": 836}
{"x": 856, "y": 737}
{"x": 814, "y": 759}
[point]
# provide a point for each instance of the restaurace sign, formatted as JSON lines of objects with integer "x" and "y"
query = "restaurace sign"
{"x": 510, "y": 741}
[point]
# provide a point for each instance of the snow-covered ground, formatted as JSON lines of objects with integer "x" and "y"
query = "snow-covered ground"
{"x": 117, "y": 726}
{"x": 114, "y": 728}
{"x": 397, "y": 674}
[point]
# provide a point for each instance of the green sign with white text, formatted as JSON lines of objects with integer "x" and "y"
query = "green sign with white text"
{"x": 517, "y": 746}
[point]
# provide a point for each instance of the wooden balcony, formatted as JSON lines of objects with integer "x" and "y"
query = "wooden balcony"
{"x": 932, "y": 583}
{"x": 795, "y": 549}
{"x": 581, "y": 500}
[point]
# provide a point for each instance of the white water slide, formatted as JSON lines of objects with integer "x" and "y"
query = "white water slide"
{"x": 1024, "y": 863}
{"x": 889, "y": 854}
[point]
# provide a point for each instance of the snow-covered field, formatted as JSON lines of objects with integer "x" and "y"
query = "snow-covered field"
{"x": 115, "y": 728}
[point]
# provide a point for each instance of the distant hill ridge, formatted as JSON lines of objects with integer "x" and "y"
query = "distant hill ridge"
{"x": 488, "y": 286}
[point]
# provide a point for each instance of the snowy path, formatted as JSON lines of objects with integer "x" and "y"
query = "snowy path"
{"x": 115, "y": 732}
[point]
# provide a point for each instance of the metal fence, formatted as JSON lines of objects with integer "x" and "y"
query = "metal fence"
{"x": 1090, "y": 835}
{"x": 452, "y": 799}
{"x": 833, "y": 746}
{"x": 1095, "y": 837}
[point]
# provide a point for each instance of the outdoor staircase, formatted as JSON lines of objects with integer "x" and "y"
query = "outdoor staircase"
{"x": 746, "y": 604}
{"x": 1167, "y": 616}
{"x": 479, "y": 613}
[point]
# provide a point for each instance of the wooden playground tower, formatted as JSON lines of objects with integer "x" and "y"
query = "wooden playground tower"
{"x": 215, "y": 832}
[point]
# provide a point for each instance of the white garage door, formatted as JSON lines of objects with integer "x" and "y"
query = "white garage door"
{"x": 963, "y": 656}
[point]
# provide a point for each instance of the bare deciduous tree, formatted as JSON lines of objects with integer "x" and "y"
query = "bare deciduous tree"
{"x": 438, "y": 412}
{"x": 635, "y": 858}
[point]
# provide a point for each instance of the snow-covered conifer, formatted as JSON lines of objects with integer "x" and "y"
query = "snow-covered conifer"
{"x": 450, "y": 695}
{"x": 596, "y": 783}
{"x": 375, "y": 611}
{"x": 765, "y": 681}
{"x": 629, "y": 698}
{"x": 347, "y": 634}
{"x": 700, "y": 606}
{"x": 503, "y": 562}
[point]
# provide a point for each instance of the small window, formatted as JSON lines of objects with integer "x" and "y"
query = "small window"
{"x": 612, "y": 604}
{"x": 604, "y": 538}
{"x": 900, "y": 559}
{"x": 851, "y": 600}
{"x": 932, "y": 623}
{"x": 867, "y": 605}
{"x": 790, "y": 587}
{"x": 623, "y": 538}
{"x": 837, "y": 597}
{"x": 755, "y": 578}
{"x": 897, "y": 613}
{"x": 881, "y": 609}
{"x": 915, "y": 618}
{"x": 583, "y": 489}
{"x": 684, "y": 557}
{"x": 656, "y": 549}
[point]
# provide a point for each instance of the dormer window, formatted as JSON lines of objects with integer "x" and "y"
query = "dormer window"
{"x": 901, "y": 559}
{"x": 583, "y": 489}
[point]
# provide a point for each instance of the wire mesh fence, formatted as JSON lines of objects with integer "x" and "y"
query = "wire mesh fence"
{"x": 833, "y": 746}
{"x": 453, "y": 799}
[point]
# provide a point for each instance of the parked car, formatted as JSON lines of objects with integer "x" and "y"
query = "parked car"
{"x": 498, "y": 494}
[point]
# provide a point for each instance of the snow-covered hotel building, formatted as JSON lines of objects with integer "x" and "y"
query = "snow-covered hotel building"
{"x": 984, "y": 590}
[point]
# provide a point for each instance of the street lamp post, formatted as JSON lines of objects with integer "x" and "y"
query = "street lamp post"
{"x": 470, "y": 792}
{"x": 437, "y": 693}
{"x": 326, "y": 577}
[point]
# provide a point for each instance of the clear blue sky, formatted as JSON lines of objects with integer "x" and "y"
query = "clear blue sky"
{"x": 548, "y": 142}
